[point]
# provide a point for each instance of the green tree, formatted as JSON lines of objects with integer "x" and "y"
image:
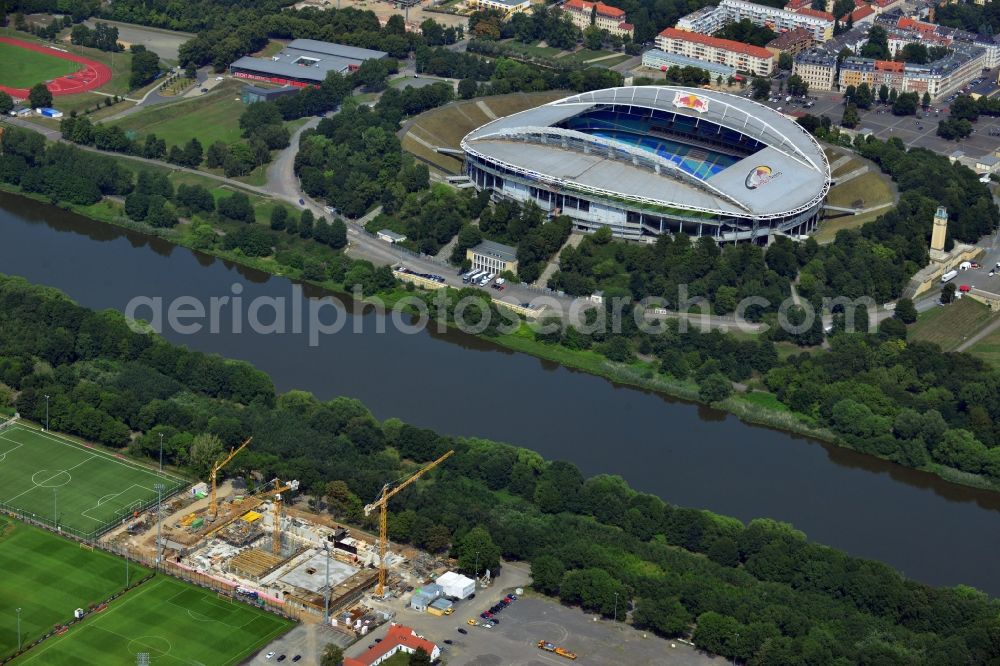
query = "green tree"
{"x": 546, "y": 573}
{"x": 205, "y": 449}
{"x": 341, "y": 502}
{"x": 761, "y": 87}
{"x": 785, "y": 61}
{"x": 39, "y": 96}
{"x": 851, "y": 117}
{"x": 332, "y": 656}
{"x": 905, "y": 311}
{"x": 477, "y": 548}
{"x": 714, "y": 388}
{"x": 883, "y": 93}
{"x": 279, "y": 217}
{"x": 419, "y": 656}
{"x": 467, "y": 88}
{"x": 193, "y": 153}
{"x": 6, "y": 103}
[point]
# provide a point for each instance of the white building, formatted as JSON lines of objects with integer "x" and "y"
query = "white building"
{"x": 456, "y": 585}
{"x": 737, "y": 55}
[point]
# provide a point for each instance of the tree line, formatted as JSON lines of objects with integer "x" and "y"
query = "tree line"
{"x": 761, "y": 592}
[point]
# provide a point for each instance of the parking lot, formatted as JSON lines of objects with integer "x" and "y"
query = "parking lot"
{"x": 514, "y": 642}
{"x": 916, "y": 131}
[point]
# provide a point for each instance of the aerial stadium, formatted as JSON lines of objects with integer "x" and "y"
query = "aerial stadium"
{"x": 655, "y": 160}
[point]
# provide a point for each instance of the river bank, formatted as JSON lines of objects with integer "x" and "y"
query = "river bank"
{"x": 755, "y": 407}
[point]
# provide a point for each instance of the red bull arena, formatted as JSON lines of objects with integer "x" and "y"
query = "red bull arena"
{"x": 647, "y": 161}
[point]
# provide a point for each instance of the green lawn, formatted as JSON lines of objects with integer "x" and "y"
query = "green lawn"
{"x": 950, "y": 325}
{"x": 42, "y": 473}
{"x": 988, "y": 349}
{"x": 23, "y": 68}
{"x": 211, "y": 117}
{"x": 533, "y": 49}
{"x": 175, "y": 623}
{"x": 48, "y": 577}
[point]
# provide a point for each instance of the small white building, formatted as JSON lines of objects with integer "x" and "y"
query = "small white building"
{"x": 390, "y": 236}
{"x": 455, "y": 585}
{"x": 199, "y": 489}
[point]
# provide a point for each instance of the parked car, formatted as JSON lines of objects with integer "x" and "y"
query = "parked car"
{"x": 462, "y": 630}
{"x": 269, "y": 655}
{"x": 296, "y": 657}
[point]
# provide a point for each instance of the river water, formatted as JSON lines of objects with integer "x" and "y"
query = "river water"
{"x": 687, "y": 454}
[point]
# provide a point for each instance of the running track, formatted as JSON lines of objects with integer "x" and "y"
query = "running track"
{"x": 92, "y": 75}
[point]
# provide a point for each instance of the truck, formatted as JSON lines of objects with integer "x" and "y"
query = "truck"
{"x": 562, "y": 652}
{"x": 949, "y": 276}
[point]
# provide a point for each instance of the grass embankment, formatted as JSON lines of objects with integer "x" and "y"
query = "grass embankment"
{"x": 865, "y": 191}
{"x": 951, "y": 325}
{"x": 23, "y": 68}
{"x": 214, "y": 116}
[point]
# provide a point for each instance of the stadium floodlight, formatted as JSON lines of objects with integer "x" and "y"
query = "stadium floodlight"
{"x": 46, "y": 413}
{"x": 18, "y": 629}
{"x": 55, "y": 507}
{"x": 161, "y": 453}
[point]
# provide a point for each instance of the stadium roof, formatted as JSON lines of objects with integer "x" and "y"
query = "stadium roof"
{"x": 789, "y": 174}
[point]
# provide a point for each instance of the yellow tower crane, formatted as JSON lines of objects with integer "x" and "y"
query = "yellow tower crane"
{"x": 213, "y": 507}
{"x": 278, "y": 502}
{"x": 383, "y": 528}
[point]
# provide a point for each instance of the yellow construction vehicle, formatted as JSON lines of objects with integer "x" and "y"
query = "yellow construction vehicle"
{"x": 383, "y": 533}
{"x": 213, "y": 507}
{"x": 562, "y": 652}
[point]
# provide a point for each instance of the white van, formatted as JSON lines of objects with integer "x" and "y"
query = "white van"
{"x": 949, "y": 276}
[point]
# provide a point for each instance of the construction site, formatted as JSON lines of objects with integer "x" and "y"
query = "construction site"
{"x": 257, "y": 538}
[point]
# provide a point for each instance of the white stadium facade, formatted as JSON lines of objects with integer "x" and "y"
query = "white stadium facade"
{"x": 654, "y": 160}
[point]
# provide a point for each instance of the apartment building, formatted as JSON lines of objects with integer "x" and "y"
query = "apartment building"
{"x": 742, "y": 57}
{"x": 818, "y": 69}
{"x": 605, "y": 17}
{"x": 779, "y": 20}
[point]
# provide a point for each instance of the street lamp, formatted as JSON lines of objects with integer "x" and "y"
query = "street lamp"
{"x": 55, "y": 507}
{"x": 616, "y": 607}
{"x": 126, "y": 566}
{"x": 46, "y": 412}
{"x": 18, "y": 629}
{"x": 161, "y": 453}
{"x": 477, "y": 569}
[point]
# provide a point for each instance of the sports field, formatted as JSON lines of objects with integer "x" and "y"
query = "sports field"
{"x": 48, "y": 577}
{"x": 23, "y": 68}
{"x": 171, "y": 621}
{"x": 77, "y": 487}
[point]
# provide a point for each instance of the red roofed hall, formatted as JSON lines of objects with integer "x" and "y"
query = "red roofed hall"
{"x": 398, "y": 638}
{"x": 606, "y": 17}
{"x": 741, "y": 57}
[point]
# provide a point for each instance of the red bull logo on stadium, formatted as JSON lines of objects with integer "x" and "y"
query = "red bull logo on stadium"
{"x": 760, "y": 176}
{"x": 689, "y": 101}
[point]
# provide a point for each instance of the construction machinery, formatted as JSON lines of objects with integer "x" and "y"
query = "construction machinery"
{"x": 562, "y": 652}
{"x": 278, "y": 502}
{"x": 213, "y": 507}
{"x": 388, "y": 490}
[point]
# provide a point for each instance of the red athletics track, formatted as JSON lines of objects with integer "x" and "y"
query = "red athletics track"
{"x": 92, "y": 75}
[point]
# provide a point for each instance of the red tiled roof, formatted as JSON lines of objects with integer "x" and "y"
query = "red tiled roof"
{"x": 885, "y": 3}
{"x": 602, "y": 9}
{"x": 626, "y": 26}
{"x": 715, "y": 42}
{"x": 809, "y": 11}
{"x": 907, "y": 23}
{"x": 790, "y": 38}
{"x": 862, "y": 12}
{"x": 795, "y": 5}
{"x": 889, "y": 66}
{"x": 396, "y": 636}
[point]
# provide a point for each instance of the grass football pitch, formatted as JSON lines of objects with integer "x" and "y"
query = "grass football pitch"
{"x": 23, "y": 68}
{"x": 83, "y": 489}
{"x": 172, "y": 622}
{"x": 48, "y": 577}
